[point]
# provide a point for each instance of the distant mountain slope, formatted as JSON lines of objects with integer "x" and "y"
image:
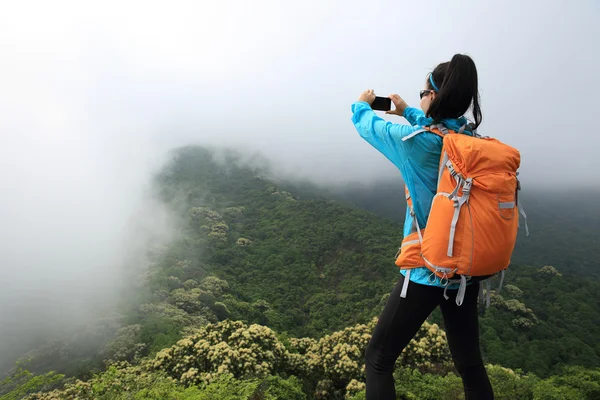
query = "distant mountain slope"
{"x": 284, "y": 255}
{"x": 320, "y": 266}
{"x": 564, "y": 226}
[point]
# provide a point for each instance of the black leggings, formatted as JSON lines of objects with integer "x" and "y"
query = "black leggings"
{"x": 401, "y": 319}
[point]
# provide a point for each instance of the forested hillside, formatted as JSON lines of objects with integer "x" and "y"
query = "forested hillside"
{"x": 271, "y": 290}
{"x": 564, "y": 225}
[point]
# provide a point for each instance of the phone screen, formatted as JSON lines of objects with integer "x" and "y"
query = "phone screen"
{"x": 382, "y": 104}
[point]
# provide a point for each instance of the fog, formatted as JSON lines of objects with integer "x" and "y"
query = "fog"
{"x": 93, "y": 96}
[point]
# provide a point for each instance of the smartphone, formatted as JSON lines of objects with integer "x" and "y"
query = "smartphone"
{"x": 382, "y": 104}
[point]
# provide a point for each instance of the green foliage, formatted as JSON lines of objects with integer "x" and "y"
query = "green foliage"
{"x": 548, "y": 223}
{"x": 572, "y": 383}
{"x": 543, "y": 321}
{"x": 576, "y": 383}
{"x": 128, "y": 383}
{"x": 125, "y": 346}
{"x": 254, "y": 257}
{"x": 230, "y": 359}
{"x": 22, "y": 382}
{"x": 411, "y": 384}
{"x": 509, "y": 384}
{"x": 227, "y": 348}
{"x": 321, "y": 266}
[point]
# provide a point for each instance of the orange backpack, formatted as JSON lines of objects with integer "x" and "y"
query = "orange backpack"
{"x": 474, "y": 217}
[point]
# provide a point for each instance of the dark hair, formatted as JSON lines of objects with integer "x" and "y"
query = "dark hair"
{"x": 456, "y": 83}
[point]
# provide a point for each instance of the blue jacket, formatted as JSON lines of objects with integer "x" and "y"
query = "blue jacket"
{"x": 417, "y": 159}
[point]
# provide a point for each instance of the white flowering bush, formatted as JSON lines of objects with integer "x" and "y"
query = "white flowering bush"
{"x": 118, "y": 378}
{"x": 234, "y": 212}
{"x": 324, "y": 389}
{"x": 337, "y": 360}
{"x": 212, "y": 223}
{"x": 173, "y": 313}
{"x": 332, "y": 367}
{"x": 199, "y": 213}
{"x": 125, "y": 346}
{"x": 340, "y": 356}
{"x": 549, "y": 270}
{"x": 353, "y": 388}
{"x": 524, "y": 317}
{"x": 428, "y": 350}
{"x": 190, "y": 284}
{"x": 243, "y": 242}
{"x": 512, "y": 290}
{"x": 299, "y": 352}
{"x": 214, "y": 285}
{"x": 226, "y": 348}
{"x": 188, "y": 300}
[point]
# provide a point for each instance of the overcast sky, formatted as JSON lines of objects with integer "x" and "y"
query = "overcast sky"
{"x": 91, "y": 96}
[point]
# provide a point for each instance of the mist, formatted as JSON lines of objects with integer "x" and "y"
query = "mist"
{"x": 93, "y": 96}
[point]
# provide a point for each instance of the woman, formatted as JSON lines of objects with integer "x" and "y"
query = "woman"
{"x": 451, "y": 89}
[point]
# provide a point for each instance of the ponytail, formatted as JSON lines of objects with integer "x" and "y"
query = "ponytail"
{"x": 456, "y": 85}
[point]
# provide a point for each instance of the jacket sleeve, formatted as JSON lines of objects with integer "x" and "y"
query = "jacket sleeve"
{"x": 383, "y": 135}
{"x": 416, "y": 116}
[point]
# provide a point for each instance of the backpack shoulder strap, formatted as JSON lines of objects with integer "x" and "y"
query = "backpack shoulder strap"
{"x": 438, "y": 129}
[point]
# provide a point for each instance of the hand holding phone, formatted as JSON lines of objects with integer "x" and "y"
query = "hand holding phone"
{"x": 382, "y": 103}
{"x": 399, "y": 105}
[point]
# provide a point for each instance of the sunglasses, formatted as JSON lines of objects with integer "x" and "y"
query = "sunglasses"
{"x": 425, "y": 92}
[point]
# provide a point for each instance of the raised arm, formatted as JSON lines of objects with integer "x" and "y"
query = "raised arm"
{"x": 414, "y": 116}
{"x": 383, "y": 135}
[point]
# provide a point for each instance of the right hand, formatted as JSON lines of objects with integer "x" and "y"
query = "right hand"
{"x": 399, "y": 103}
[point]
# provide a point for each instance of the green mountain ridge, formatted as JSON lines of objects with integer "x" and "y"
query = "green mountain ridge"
{"x": 287, "y": 257}
{"x": 554, "y": 218}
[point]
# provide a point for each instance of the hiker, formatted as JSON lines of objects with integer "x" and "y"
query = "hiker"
{"x": 450, "y": 90}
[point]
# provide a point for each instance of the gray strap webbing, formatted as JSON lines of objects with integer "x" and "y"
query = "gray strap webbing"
{"x": 525, "y": 217}
{"x": 501, "y": 280}
{"x": 508, "y": 204}
{"x": 405, "y": 284}
{"x": 409, "y": 243}
{"x": 450, "y": 167}
{"x": 459, "y": 182}
{"x": 450, "y": 282}
{"x": 413, "y": 228}
{"x": 481, "y": 298}
{"x": 437, "y": 268}
{"x": 521, "y": 210}
{"x": 442, "y": 128}
{"x": 411, "y": 135}
{"x": 458, "y": 203}
{"x": 457, "y": 206}
{"x": 417, "y": 225}
{"x": 460, "y": 296}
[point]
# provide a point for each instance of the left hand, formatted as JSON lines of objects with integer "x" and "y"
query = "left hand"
{"x": 367, "y": 96}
